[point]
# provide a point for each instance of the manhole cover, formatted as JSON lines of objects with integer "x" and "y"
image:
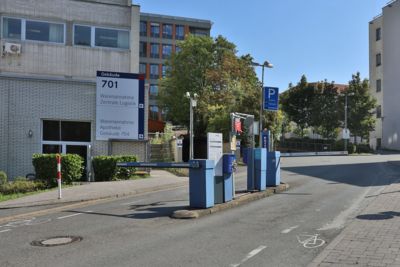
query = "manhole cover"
{"x": 56, "y": 241}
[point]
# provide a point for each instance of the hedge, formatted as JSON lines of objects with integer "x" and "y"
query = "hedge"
{"x": 46, "y": 167}
{"x": 105, "y": 167}
{"x": 21, "y": 185}
{"x": 3, "y": 177}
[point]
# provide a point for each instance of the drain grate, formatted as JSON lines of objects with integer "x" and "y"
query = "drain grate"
{"x": 56, "y": 241}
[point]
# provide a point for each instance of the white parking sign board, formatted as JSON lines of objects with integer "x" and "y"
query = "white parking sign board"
{"x": 119, "y": 106}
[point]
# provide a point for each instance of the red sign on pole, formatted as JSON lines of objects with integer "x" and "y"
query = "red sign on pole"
{"x": 238, "y": 125}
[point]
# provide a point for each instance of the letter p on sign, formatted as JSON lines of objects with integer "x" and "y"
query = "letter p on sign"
{"x": 271, "y": 97}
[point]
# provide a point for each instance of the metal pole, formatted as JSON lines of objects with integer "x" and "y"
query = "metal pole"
{"x": 261, "y": 107}
{"x": 345, "y": 121}
{"x": 191, "y": 129}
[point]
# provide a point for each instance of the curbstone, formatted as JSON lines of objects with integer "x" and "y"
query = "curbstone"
{"x": 243, "y": 199}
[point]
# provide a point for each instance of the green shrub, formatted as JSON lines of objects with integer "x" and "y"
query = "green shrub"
{"x": 21, "y": 186}
{"x": 3, "y": 177}
{"x": 363, "y": 148}
{"x": 46, "y": 167}
{"x": 105, "y": 168}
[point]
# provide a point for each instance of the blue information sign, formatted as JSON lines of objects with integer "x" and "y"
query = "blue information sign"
{"x": 265, "y": 139}
{"x": 271, "y": 98}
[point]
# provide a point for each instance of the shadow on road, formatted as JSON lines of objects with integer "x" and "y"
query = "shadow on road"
{"x": 379, "y": 216}
{"x": 360, "y": 174}
{"x": 142, "y": 211}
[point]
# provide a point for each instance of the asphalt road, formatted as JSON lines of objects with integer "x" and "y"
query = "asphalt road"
{"x": 288, "y": 229}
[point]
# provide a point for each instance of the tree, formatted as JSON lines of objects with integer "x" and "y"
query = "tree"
{"x": 326, "y": 106}
{"x": 361, "y": 106}
{"x": 297, "y": 103}
{"x": 224, "y": 83}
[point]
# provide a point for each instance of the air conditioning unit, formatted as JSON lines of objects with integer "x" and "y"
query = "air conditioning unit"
{"x": 11, "y": 48}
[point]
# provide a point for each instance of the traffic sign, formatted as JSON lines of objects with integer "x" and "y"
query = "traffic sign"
{"x": 346, "y": 133}
{"x": 271, "y": 98}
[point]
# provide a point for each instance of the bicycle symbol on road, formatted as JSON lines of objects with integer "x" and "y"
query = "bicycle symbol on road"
{"x": 310, "y": 241}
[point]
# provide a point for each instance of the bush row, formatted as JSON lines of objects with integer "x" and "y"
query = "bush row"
{"x": 21, "y": 185}
{"x": 105, "y": 168}
{"x": 46, "y": 168}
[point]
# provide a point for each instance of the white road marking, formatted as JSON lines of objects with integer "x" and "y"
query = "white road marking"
{"x": 310, "y": 241}
{"x": 72, "y": 215}
{"x": 286, "y": 231}
{"x": 249, "y": 256}
{"x": 130, "y": 203}
{"x": 6, "y": 230}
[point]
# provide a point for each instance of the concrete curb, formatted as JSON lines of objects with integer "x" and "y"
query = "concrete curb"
{"x": 243, "y": 199}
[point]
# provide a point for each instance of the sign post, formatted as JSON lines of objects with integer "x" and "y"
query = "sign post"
{"x": 58, "y": 157}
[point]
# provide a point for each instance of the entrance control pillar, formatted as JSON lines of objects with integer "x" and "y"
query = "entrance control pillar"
{"x": 201, "y": 184}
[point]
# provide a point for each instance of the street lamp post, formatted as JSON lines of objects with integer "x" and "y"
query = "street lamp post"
{"x": 268, "y": 65}
{"x": 192, "y": 104}
{"x": 345, "y": 117}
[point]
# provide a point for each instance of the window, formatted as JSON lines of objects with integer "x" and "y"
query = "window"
{"x": 166, "y": 50}
{"x": 155, "y": 30}
{"x": 12, "y": 28}
{"x": 154, "y": 73}
{"x": 142, "y": 68}
{"x": 44, "y": 31}
{"x": 143, "y": 28}
{"x": 103, "y": 37}
{"x": 378, "y": 59}
{"x": 111, "y": 38}
{"x": 379, "y": 111}
{"x": 143, "y": 49}
{"x": 69, "y": 131}
{"x": 154, "y": 112}
{"x": 198, "y": 31}
{"x": 167, "y": 31}
{"x": 378, "y": 85}
{"x": 153, "y": 91}
{"x": 164, "y": 70}
{"x": 179, "y": 32}
{"x": 154, "y": 50}
{"x": 378, "y": 34}
{"x": 177, "y": 49}
{"x": 82, "y": 35}
{"x": 33, "y": 30}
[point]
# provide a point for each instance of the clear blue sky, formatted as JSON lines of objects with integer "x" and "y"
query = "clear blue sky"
{"x": 323, "y": 39}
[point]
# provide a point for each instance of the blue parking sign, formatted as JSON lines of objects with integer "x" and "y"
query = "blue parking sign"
{"x": 271, "y": 98}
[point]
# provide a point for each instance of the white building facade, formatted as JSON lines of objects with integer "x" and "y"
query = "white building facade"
{"x": 384, "y": 68}
{"x": 50, "y": 52}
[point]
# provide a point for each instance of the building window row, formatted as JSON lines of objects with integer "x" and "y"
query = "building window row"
{"x": 154, "y": 70}
{"x": 167, "y": 30}
{"x": 155, "y": 50}
{"x": 100, "y": 37}
{"x": 83, "y": 35}
{"x": 33, "y": 30}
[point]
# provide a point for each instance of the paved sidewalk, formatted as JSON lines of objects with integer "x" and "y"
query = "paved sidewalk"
{"x": 372, "y": 238}
{"x": 158, "y": 180}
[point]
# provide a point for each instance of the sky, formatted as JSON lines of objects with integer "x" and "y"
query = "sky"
{"x": 323, "y": 39}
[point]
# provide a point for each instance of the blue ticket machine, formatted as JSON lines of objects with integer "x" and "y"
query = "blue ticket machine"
{"x": 228, "y": 165}
{"x": 250, "y": 168}
{"x": 274, "y": 168}
{"x": 201, "y": 184}
{"x": 260, "y": 168}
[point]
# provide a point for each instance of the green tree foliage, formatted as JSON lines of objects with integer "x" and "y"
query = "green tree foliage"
{"x": 361, "y": 106}
{"x": 326, "y": 110}
{"x": 223, "y": 81}
{"x": 297, "y": 103}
